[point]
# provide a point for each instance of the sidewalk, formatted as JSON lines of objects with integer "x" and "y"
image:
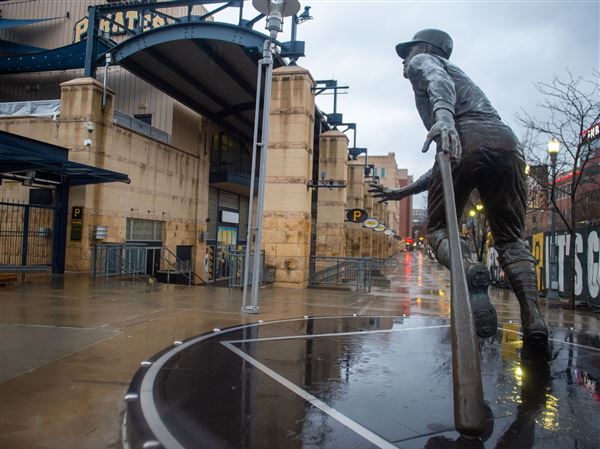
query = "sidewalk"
{"x": 71, "y": 346}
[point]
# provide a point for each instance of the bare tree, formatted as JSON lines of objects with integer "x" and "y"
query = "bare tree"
{"x": 568, "y": 108}
{"x": 474, "y": 222}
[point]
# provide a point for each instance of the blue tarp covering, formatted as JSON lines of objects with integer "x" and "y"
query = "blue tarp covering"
{"x": 13, "y": 23}
{"x": 62, "y": 58}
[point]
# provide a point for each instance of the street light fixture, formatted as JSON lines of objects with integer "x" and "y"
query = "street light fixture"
{"x": 275, "y": 10}
{"x": 552, "y": 291}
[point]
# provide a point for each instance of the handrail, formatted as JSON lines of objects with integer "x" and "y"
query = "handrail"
{"x": 341, "y": 271}
{"x": 131, "y": 269}
{"x": 167, "y": 259}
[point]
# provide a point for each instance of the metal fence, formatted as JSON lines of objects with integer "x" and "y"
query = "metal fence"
{"x": 348, "y": 272}
{"x": 140, "y": 262}
{"x": 25, "y": 237}
{"x": 236, "y": 267}
{"x": 126, "y": 121}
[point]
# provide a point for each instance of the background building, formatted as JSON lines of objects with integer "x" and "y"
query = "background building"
{"x": 173, "y": 111}
{"x": 386, "y": 172}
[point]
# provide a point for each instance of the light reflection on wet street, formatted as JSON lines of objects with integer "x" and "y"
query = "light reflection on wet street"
{"x": 383, "y": 374}
{"x": 370, "y": 381}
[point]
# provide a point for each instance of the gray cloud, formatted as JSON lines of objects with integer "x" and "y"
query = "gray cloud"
{"x": 503, "y": 46}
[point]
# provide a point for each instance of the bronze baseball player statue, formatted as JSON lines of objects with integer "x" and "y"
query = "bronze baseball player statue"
{"x": 485, "y": 157}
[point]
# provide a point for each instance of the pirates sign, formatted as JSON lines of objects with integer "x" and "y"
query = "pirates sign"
{"x": 117, "y": 23}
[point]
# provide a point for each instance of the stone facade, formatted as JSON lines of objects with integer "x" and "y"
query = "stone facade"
{"x": 168, "y": 184}
{"x": 331, "y": 204}
{"x": 287, "y": 211}
{"x": 355, "y": 200}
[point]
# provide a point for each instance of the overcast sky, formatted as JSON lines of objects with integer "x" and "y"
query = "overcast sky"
{"x": 504, "y": 46}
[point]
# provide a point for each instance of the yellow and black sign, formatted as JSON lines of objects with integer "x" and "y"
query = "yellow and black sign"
{"x": 115, "y": 24}
{"x": 356, "y": 215}
{"x": 77, "y": 213}
{"x": 76, "y": 223}
{"x": 209, "y": 262}
{"x": 537, "y": 249}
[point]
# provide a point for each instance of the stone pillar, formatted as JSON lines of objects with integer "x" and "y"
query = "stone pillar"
{"x": 379, "y": 213}
{"x": 287, "y": 217}
{"x": 81, "y": 106}
{"x": 355, "y": 200}
{"x": 331, "y": 203}
{"x": 366, "y": 247}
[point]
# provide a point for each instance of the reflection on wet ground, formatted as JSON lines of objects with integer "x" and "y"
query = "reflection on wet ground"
{"x": 362, "y": 382}
{"x": 71, "y": 396}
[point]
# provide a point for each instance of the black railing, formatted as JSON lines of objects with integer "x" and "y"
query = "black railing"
{"x": 140, "y": 262}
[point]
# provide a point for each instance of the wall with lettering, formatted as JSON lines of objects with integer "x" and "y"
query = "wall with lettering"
{"x": 116, "y": 24}
{"x": 587, "y": 262}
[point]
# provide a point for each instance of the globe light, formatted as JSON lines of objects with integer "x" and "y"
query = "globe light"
{"x": 553, "y": 146}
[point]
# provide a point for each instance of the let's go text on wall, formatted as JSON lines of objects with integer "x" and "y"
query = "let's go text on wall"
{"x": 587, "y": 262}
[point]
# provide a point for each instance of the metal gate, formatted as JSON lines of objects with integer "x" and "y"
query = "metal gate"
{"x": 25, "y": 236}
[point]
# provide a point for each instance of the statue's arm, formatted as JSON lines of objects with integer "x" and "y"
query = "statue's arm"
{"x": 428, "y": 74}
{"x": 385, "y": 194}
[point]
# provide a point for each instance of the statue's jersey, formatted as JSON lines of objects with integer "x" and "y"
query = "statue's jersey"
{"x": 440, "y": 84}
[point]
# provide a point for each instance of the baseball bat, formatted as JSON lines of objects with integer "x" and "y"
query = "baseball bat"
{"x": 469, "y": 414}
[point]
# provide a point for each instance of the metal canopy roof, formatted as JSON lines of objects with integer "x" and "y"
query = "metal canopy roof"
{"x": 19, "y": 155}
{"x": 208, "y": 66}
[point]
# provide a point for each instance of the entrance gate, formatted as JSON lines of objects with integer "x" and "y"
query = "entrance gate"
{"x": 25, "y": 236}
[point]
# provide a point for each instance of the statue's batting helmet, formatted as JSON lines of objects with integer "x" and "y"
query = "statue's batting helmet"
{"x": 437, "y": 38}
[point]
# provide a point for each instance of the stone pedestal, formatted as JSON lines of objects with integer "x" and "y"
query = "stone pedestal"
{"x": 287, "y": 218}
{"x": 355, "y": 200}
{"x": 331, "y": 203}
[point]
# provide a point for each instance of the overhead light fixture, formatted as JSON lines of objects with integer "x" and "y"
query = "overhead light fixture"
{"x": 276, "y": 10}
{"x": 29, "y": 178}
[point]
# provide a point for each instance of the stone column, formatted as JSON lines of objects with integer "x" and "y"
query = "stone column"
{"x": 287, "y": 218}
{"x": 331, "y": 203}
{"x": 379, "y": 237}
{"x": 82, "y": 116}
{"x": 355, "y": 200}
{"x": 366, "y": 247}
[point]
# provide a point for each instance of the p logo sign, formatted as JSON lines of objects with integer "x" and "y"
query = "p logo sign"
{"x": 356, "y": 215}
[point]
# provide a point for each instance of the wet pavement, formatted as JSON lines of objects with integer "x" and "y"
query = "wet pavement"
{"x": 388, "y": 375}
{"x": 360, "y": 382}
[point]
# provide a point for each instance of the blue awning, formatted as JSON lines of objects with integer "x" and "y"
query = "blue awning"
{"x": 5, "y": 24}
{"x": 62, "y": 58}
{"x": 19, "y": 155}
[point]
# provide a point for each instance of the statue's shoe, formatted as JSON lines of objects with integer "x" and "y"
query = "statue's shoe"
{"x": 535, "y": 338}
{"x": 484, "y": 314}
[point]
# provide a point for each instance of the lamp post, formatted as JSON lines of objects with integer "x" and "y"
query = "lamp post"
{"x": 552, "y": 290}
{"x": 275, "y": 11}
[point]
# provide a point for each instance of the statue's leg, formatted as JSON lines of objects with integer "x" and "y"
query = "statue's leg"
{"x": 504, "y": 194}
{"x": 477, "y": 274}
{"x": 519, "y": 266}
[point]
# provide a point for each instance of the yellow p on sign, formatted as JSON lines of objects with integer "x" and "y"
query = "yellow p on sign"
{"x": 356, "y": 215}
